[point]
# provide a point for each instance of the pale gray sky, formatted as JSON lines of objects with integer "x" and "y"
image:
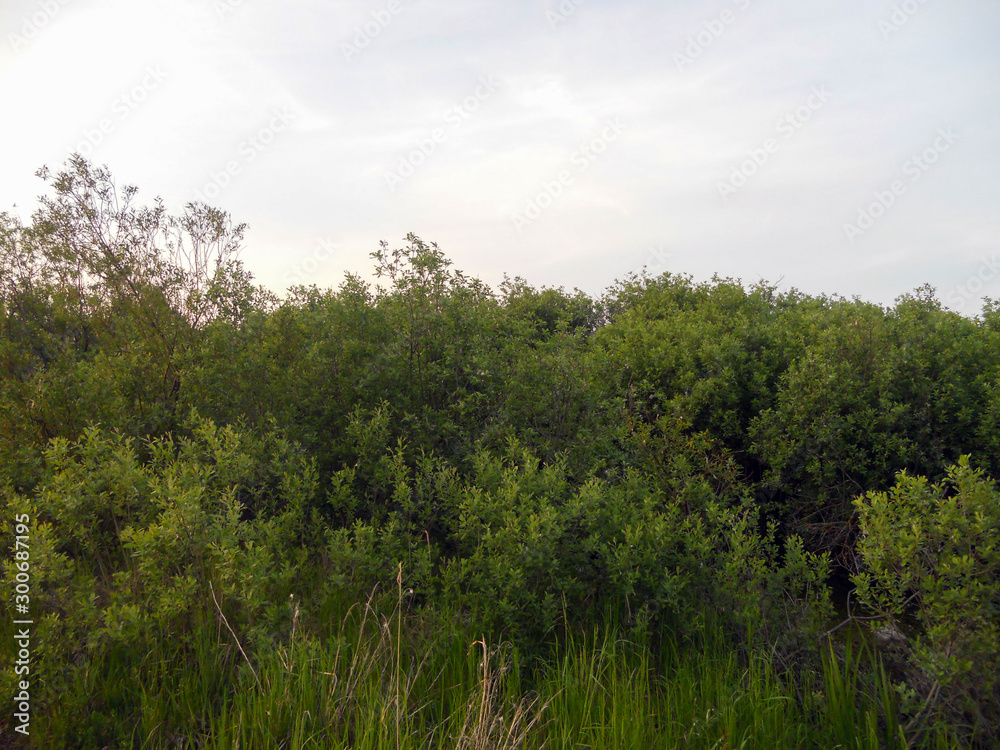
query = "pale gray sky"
{"x": 567, "y": 142}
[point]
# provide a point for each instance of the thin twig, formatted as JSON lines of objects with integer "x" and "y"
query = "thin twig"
{"x": 226, "y": 623}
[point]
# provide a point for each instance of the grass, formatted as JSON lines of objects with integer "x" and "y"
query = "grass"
{"x": 378, "y": 678}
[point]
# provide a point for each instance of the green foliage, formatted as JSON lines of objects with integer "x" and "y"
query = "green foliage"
{"x": 99, "y": 296}
{"x": 249, "y": 514}
{"x": 135, "y": 556}
{"x": 931, "y": 549}
{"x": 880, "y": 391}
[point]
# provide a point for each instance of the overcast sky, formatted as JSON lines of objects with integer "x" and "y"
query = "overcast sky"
{"x": 847, "y": 148}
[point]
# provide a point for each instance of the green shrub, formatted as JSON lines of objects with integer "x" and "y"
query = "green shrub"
{"x": 930, "y": 551}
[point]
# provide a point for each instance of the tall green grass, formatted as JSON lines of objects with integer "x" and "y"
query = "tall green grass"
{"x": 607, "y": 693}
{"x": 375, "y": 677}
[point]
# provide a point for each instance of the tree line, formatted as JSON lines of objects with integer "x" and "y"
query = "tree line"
{"x": 194, "y": 448}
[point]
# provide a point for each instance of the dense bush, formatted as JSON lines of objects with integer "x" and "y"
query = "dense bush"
{"x": 930, "y": 552}
{"x": 222, "y": 482}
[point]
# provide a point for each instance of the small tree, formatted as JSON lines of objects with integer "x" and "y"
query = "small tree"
{"x": 99, "y": 296}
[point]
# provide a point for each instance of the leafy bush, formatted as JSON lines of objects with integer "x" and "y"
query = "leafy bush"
{"x": 219, "y": 478}
{"x": 135, "y": 556}
{"x": 931, "y": 550}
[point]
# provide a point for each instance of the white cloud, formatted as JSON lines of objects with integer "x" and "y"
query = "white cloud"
{"x": 324, "y": 177}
